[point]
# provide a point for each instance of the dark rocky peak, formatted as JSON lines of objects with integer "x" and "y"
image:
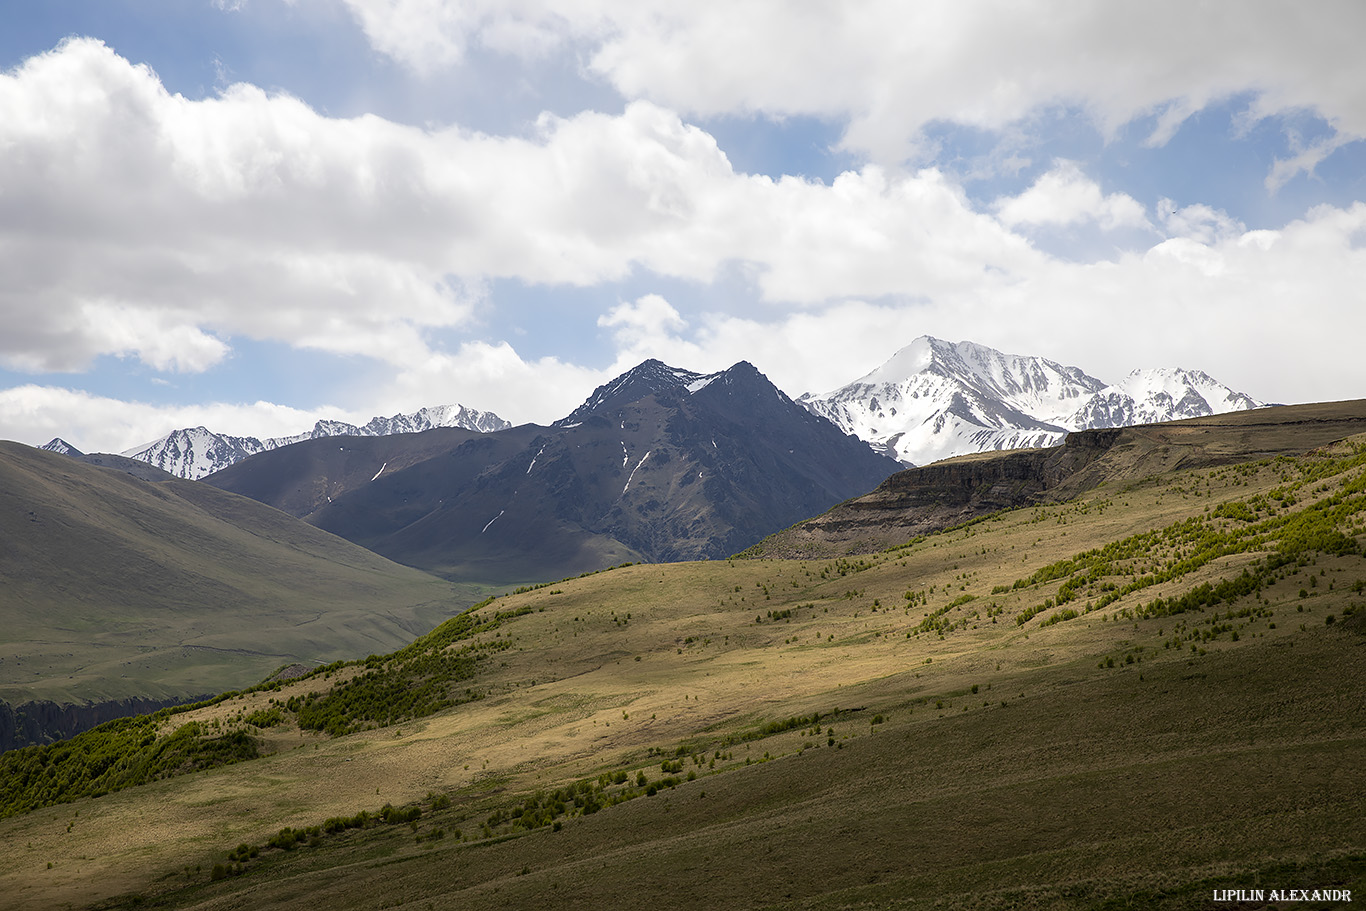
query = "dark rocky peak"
{"x": 743, "y": 394}
{"x": 651, "y": 377}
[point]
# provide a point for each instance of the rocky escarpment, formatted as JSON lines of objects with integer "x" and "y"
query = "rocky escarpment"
{"x": 31, "y": 723}
{"x": 919, "y": 501}
{"x": 991, "y": 483}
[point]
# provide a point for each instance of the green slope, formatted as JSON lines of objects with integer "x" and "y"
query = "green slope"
{"x": 111, "y": 586}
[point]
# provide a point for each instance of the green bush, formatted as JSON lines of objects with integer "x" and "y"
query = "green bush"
{"x": 119, "y": 754}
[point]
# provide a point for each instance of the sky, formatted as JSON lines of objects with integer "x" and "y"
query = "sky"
{"x": 252, "y": 214}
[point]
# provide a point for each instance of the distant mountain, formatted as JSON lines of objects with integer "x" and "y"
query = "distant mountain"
{"x": 659, "y": 464}
{"x": 1157, "y": 395}
{"x": 197, "y": 451}
{"x": 934, "y": 399}
{"x": 61, "y": 446}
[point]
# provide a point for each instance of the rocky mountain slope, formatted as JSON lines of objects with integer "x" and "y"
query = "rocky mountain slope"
{"x": 934, "y": 400}
{"x": 195, "y": 452}
{"x": 660, "y": 464}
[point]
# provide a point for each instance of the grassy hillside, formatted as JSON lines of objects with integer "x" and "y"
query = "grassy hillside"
{"x": 111, "y": 586}
{"x": 1077, "y": 705}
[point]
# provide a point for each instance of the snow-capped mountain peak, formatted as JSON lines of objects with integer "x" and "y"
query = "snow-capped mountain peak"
{"x": 61, "y": 446}
{"x": 1158, "y": 394}
{"x": 935, "y": 399}
{"x": 197, "y": 451}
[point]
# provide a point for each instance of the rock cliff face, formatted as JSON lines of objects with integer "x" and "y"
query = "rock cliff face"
{"x": 1008, "y": 480}
{"x": 923, "y": 500}
{"x": 32, "y": 723}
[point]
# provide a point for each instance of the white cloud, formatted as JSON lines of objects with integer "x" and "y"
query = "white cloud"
{"x": 252, "y": 215}
{"x": 890, "y": 68}
{"x": 135, "y": 222}
{"x": 1200, "y": 223}
{"x": 1278, "y": 314}
{"x": 870, "y": 233}
{"x": 140, "y": 224}
{"x": 1066, "y": 196}
{"x": 490, "y": 376}
{"x": 638, "y": 323}
{"x": 1305, "y": 158}
{"x": 92, "y": 423}
{"x": 430, "y": 34}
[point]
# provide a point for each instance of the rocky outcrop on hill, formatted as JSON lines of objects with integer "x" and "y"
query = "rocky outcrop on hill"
{"x": 924, "y": 500}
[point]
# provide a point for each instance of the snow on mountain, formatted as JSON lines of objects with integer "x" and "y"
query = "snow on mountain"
{"x": 648, "y": 378}
{"x": 1161, "y": 394}
{"x": 436, "y": 416}
{"x": 61, "y": 446}
{"x": 194, "y": 452}
{"x": 197, "y": 451}
{"x": 935, "y": 399}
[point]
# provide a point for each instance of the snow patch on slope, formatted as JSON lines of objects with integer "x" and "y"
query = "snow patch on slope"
{"x": 633, "y": 472}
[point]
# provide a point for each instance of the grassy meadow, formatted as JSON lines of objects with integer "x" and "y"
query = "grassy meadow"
{"x": 1127, "y": 700}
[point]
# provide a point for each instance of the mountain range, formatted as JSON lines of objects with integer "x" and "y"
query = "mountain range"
{"x": 195, "y": 452}
{"x": 931, "y": 400}
{"x": 934, "y": 400}
{"x": 660, "y": 464}
{"x": 1134, "y": 698}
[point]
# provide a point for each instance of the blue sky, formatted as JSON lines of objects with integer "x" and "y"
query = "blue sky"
{"x": 252, "y": 214}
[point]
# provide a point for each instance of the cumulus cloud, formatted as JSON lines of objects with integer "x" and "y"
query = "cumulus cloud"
{"x": 1200, "y": 223}
{"x": 94, "y": 423}
{"x": 1250, "y": 307}
{"x": 638, "y": 323}
{"x": 1247, "y": 306}
{"x": 491, "y": 376}
{"x": 138, "y": 223}
{"x": 1066, "y": 196}
{"x": 430, "y": 34}
{"x": 889, "y": 68}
